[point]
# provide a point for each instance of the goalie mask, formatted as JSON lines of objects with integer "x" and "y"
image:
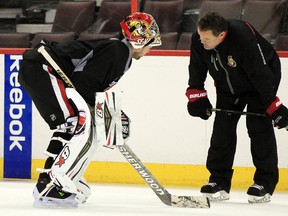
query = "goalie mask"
{"x": 141, "y": 30}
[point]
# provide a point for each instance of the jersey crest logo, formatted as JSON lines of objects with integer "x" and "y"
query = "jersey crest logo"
{"x": 231, "y": 62}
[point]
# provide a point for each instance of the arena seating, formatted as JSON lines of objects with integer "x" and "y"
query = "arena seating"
{"x": 177, "y": 19}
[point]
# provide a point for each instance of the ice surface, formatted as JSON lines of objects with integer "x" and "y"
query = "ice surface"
{"x": 16, "y": 199}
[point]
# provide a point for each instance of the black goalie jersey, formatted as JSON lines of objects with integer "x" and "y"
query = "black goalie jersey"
{"x": 93, "y": 66}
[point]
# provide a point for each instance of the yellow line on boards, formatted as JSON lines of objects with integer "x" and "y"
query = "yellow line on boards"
{"x": 178, "y": 175}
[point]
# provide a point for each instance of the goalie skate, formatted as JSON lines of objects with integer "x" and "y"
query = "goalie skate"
{"x": 214, "y": 192}
{"x": 53, "y": 198}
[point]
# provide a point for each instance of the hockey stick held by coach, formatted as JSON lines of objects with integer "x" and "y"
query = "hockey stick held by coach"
{"x": 64, "y": 100}
{"x": 246, "y": 71}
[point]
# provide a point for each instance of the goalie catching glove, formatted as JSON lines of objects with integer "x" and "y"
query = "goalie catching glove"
{"x": 279, "y": 113}
{"x": 198, "y": 104}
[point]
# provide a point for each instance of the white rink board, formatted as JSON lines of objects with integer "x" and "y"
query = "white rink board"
{"x": 162, "y": 130}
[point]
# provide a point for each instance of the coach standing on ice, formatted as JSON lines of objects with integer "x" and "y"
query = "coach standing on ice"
{"x": 92, "y": 66}
{"x": 247, "y": 72}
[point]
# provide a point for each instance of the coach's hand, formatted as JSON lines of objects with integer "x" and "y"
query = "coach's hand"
{"x": 279, "y": 113}
{"x": 199, "y": 104}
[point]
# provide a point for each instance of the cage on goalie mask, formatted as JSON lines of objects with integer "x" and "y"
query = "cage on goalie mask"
{"x": 141, "y": 30}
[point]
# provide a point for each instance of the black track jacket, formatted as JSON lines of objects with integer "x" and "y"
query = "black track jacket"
{"x": 244, "y": 65}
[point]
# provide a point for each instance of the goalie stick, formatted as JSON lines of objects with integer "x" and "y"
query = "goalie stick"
{"x": 159, "y": 190}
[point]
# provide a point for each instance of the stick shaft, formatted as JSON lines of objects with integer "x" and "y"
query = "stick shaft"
{"x": 158, "y": 189}
{"x": 56, "y": 67}
{"x": 237, "y": 112}
{"x": 146, "y": 175}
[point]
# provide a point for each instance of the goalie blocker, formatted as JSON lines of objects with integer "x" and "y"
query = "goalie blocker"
{"x": 112, "y": 124}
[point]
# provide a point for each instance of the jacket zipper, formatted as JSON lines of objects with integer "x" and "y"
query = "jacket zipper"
{"x": 226, "y": 72}
{"x": 213, "y": 61}
{"x": 218, "y": 59}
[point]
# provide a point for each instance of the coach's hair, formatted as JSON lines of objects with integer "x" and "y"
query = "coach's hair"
{"x": 213, "y": 21}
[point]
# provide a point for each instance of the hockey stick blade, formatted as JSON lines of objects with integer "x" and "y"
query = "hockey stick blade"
{"x": 159, "y": 190}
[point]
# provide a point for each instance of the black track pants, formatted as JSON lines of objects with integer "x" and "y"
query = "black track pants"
{"x": 223, "y": 146}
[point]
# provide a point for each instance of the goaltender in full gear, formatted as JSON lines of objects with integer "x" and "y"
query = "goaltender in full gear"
{"x": 92, "y": 66}
{"x": 246, "y": 71}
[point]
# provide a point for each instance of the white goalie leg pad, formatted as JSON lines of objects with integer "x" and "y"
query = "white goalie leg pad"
{"x": 85, "y": 189}
{"x": 75, "y": 156}
{"x": 108, "y": 119}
